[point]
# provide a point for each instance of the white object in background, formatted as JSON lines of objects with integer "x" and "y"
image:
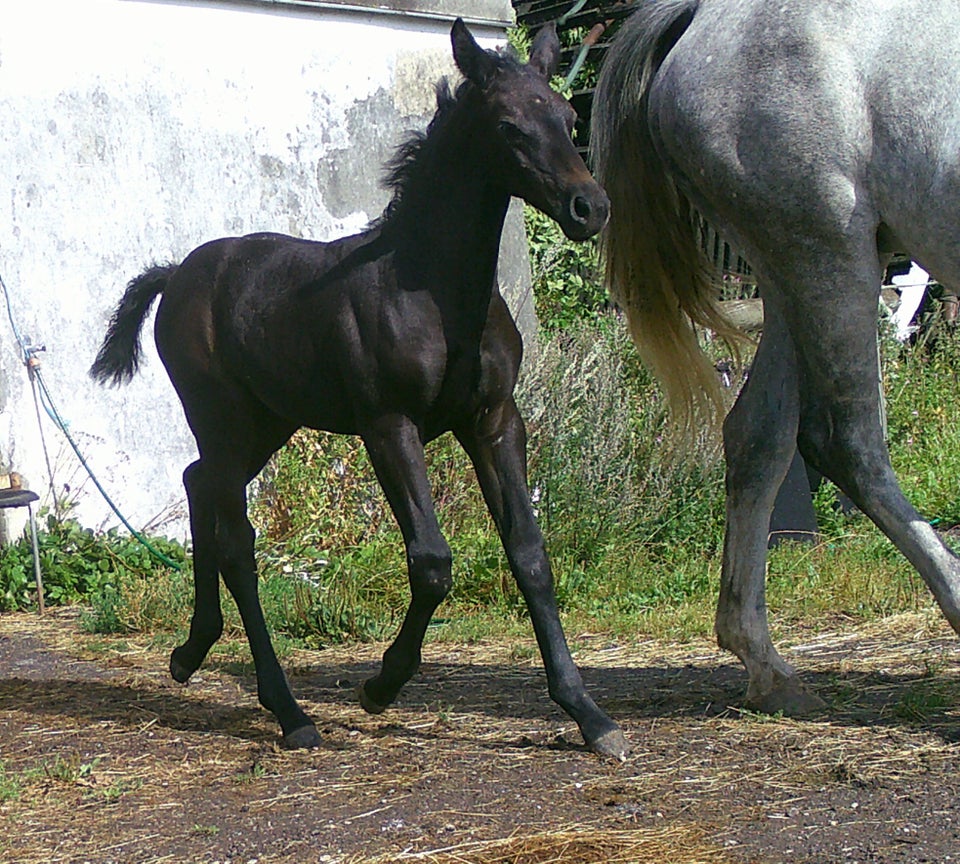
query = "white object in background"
{"x": 912, "y": 287}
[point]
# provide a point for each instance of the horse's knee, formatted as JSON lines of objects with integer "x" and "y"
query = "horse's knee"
{"x": 531, "y": 566}
{"x": 430, "y": 567}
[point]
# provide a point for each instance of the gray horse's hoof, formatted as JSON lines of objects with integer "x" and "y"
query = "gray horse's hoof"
{"x": 304, "y": 738}
{"x": 790, "y": 697}
{"x": 612, "y": 744}
{"x": 367, "y": 703}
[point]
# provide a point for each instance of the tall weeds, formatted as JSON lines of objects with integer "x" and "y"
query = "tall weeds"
{"x": 634, "y": 527}
{"x": 923, "y": 423}
{"x": 602, "y": 461}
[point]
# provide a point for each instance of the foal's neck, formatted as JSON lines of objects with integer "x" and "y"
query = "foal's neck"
{"x": 453, "y": 215}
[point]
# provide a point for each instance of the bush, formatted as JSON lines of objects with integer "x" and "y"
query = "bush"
{"x": 75, "y": 563}
{"x": 567, "y": 286}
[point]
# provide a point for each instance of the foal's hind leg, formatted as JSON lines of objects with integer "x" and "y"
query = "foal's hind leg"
{"x": 206, "y": 624}
{"x": 235, "y": 445}
{"x": 759, "y": 442}
{"x": 497, "y": 446}
{"x": 235, "y": 539}
{"x": 396, "y": 452}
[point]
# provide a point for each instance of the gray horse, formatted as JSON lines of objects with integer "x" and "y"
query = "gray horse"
{"x": 819, "y": 137}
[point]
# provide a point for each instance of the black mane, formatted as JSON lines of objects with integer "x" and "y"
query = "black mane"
{"x": 403, "y": 165}
{"x": 407, "y": 163}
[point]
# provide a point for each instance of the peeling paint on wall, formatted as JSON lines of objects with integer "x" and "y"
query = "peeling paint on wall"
{"x": 410, "y": 97}
{"x": 351, "y": 176}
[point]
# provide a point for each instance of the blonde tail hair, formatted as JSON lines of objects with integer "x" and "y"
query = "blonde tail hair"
{"x": 654, "y": 266}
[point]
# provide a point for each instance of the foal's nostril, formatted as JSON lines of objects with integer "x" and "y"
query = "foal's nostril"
{"x": 580, "y": 208}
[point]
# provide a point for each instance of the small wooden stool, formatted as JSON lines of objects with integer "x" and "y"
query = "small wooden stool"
{"x": 25, "y": 498}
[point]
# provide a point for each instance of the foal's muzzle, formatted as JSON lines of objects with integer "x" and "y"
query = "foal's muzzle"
{"x": 586, "y": 211}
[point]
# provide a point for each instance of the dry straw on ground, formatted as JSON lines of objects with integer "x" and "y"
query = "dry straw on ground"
{"x": 106, "y": 760}
{"x": 576, "y": 845}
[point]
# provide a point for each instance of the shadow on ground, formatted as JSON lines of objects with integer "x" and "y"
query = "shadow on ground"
{"x": 632, "y": 695}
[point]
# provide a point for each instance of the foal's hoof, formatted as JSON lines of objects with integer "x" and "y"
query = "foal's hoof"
{"x": 179, "y": 671}
{"x": 304, "y": 738}
{"x": 789, "y": 697}
{"x": 612, "y": 744}
{"x": 367, "y": 703}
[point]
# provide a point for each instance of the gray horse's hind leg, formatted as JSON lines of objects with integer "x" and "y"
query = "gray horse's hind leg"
{"x": 841, "y": 436}
{"x": 759, "y": 441}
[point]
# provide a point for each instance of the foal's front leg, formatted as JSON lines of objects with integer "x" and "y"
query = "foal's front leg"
{"x": 396, "y": 452}
{"x": 497, "y": 445}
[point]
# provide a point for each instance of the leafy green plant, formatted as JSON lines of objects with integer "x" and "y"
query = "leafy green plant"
{"x": 105, "y": 614}
{"x": 69, "y": 770}
{"x": 10, "y": 786}
{"x": 118, "y": 788}
{"x": 76, "y": 563}
{"x": 567, "y": 285}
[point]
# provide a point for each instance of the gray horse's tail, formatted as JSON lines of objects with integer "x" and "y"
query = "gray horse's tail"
{"x": 119, "y": 356}
{"x": 654, "y": 266}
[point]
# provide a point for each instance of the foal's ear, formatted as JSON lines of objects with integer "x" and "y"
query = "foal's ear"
{"x": 545, "y": 51}
{"x": 475, "y": 63}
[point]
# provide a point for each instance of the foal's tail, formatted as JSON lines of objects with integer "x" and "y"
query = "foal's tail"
{"x": 654, "y": 266}
{"x": 119, "y": 356}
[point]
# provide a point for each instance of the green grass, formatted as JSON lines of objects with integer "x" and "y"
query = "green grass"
{"x": 10, "y": 785}
{"x": 634, "y": 528}
{"x": 60, "y": 771}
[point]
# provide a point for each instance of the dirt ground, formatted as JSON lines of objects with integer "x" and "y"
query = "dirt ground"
{"x": 103, "y": 758}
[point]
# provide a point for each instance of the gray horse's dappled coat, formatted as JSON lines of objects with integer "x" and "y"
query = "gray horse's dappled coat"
{"x": 819, "y": 137}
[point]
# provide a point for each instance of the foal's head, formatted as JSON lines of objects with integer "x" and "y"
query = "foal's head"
{"x": 530, "y": 126}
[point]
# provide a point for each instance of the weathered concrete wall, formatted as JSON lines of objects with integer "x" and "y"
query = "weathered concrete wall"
{"x": 132, "y": 131}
